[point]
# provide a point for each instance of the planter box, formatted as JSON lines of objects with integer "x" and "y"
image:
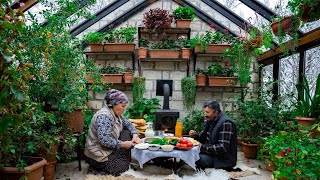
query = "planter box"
{"x": 142, "y": 52}
{"x": 119, "y": 47}
{"x": 201, "y": 79}
{"x": 35, "y": 169}
{"x": 212, "y": 48}
{"x": 95, "y": 47}
{"x": 183, "y": 23}
{"x": 128, "y": 77}
{"x": 112, "y": 78}
{"x": 164, "y": 53}
{"x": 222, "y": 81}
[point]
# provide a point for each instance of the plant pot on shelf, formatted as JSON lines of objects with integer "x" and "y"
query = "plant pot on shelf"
{"x": 75, "y": 120}
{"x": 112, "y": 78}
{"x": 222, "y": 81}
{"x": 256, "y": 43}
{"x": 32, "y": 172}
{"x": 164, "y": 53}
{"x": 128, "y": 77}
{"x": 95, "y": 47}
{"x": 142, "y": 52}
{"x": 183, "y": 23}
{"x": 201, "y": 79}
{"x": 185, "y": 53}
{"x": 119, "y": 47}
{"x": 212, "y": 48}
{"x": 287, "y": 25}
{"x": 307, "y": 11}
{"x": 250, "y": 150}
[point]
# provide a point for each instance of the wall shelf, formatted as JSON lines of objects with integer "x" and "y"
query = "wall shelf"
{"x": 163, "y": 60}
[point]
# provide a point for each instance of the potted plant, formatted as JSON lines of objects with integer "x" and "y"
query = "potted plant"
{"x": 111, "y": 74}
{"x": 185, "y": 47}
{"x": 219, "y": 76}
{"x": 201, "y": 77}
{"x": 183, "y": 16}
{"x": 120, "y": 40}
{"x": 165, "y": 49}
{"x": 189, "y": 91}
{"x": 143, "y": 48}
{"x": 193, "y": 121}
{"x": 128, "y": 75}
{"x": 285, "y": 25}
{"x": 213, "y": 41}
{"x": 95, "y": 41}
{"x": 307, "y": 107}
{"x": 157, "y": 19}
{"x": 306, "y": 10}
{"x": 293, "y": 155}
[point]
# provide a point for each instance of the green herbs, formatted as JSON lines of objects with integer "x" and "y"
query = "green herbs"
{"x": 184, "y": 13}
{"x": 160, "y": 141}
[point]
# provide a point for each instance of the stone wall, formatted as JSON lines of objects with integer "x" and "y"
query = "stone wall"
{"x": 175, "y": 71}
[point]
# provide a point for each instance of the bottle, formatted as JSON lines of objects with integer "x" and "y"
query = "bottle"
{"x": 178, "y": 129}
{"x": 149, "y": 131}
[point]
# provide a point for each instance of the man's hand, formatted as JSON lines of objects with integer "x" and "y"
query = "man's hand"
{"x": 127, "y": 144}
{"x": 192, "y": 133}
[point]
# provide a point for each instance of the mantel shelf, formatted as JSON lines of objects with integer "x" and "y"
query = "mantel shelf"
{"x": 164, "y": 60}
{"x": 168, "y": 30}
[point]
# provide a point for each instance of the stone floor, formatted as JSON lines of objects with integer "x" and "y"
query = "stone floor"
{"x": 70, "y": 170}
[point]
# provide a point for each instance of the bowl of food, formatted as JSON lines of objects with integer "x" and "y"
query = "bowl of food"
{"x": 167, "y": 147}
{"x": 142, "y": 146}
{"x": 154, "y": 147}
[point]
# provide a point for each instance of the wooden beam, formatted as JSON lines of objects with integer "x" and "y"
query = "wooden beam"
{"x": 308, "y": 38}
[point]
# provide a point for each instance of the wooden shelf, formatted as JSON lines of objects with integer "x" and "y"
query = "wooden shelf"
{"x": 164, "y": 60}
{"x": 168, "y": 30}
{"x": 88, "y": 53}
{"x": 238, "y": 87}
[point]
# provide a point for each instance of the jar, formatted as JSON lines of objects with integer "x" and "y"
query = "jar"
{"x": 178, "y": 129}
{"x": 149, "y": 131}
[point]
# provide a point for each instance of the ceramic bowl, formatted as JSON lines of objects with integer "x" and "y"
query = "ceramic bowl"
{"x": 154, "y": 147}
{"x": 167, "y": 148}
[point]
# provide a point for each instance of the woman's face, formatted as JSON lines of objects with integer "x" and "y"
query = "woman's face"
{"x": 119, "y": 109}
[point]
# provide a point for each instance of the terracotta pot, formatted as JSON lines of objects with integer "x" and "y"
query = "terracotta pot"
{"x": 250, "y": 150}
{"x": 307, "y": 122}
{"x": 222, "y": 81}
{"x": 75, "y": 120}
{"x": 112, "y": 78}
{"x": 256, "y": 43}
{"x": 95, "y": 47}
{"x": 306, "y": 11}
{"x": 201, "y": 79}
{"x": 183, "y": 23}
{"x": 128, "y": 77}
{"x": 164, "y": 53}
{"x": 35, "y": 169}
{"x": 185, "y": 53}
{"x": 212, "y": 48}
{"x": 142, "y": 52}
{"x": 119, "y": 47}
{"x": 49, "y": 170}
{"x": 286, "y": 24}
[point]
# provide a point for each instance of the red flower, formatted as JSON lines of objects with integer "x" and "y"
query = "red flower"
{"x": 227, "y": 64}
{"x": 211, "y": 25}
{"x": 289, "y": 150}
{"x": 289, "y": 123}
{"x": 225, "y": 31}
{"x": 282, "y": 152}
{"x": 22, "y": 4}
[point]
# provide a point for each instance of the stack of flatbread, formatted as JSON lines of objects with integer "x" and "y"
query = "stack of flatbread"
{"x": 140, "y": 124}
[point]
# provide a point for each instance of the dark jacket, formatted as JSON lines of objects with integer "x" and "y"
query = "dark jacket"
{"x": 210, "y": 136}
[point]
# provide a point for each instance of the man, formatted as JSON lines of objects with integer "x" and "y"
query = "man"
{"x": 218, "y": 148}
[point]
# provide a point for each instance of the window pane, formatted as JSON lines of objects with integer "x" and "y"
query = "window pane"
{"x": 312, "y": 67}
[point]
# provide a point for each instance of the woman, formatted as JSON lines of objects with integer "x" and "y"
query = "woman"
{"x": 109, "y": 138}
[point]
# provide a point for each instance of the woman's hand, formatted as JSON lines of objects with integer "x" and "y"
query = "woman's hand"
{"x": 136, "y": 139}
{"x": 127, "y": 144}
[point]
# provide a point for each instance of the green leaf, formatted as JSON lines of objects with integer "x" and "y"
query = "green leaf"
{"x": 18, "y": 94}
{"x": 12, "y": 149}
{"x": 8, "y": 25}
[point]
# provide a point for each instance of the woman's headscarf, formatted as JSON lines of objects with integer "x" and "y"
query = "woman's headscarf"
{"x": 114, "y": 97}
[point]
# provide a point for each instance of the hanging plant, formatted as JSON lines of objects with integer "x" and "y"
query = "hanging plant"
{"x": 139, "y": 88}
{"x": 188, "y": 87}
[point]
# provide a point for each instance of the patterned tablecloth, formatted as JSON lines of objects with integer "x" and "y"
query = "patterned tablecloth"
{"x": 189, "y": 156}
